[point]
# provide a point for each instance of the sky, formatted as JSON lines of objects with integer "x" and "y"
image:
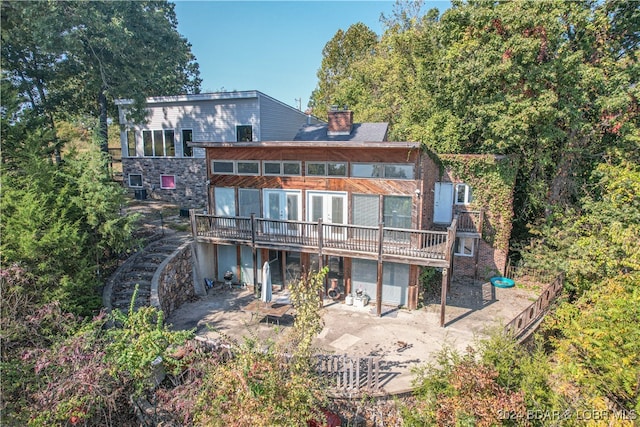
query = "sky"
{"x": 274, "y": 47}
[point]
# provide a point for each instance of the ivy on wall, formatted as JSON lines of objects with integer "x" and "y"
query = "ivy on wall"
{"x": 492, "y": 179}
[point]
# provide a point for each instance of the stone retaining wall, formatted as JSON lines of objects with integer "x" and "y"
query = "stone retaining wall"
{"x": 172, "y": 284}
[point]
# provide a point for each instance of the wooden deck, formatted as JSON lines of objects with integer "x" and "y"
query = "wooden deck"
{"x": 420, "y": 247}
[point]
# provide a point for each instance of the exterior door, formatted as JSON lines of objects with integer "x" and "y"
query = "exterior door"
{"x": 443, "y": 203}
{"x": 282, "y": 205}
{"x": 332, "y": 208}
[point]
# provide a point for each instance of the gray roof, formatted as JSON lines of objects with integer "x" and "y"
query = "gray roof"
{"x": 371, "y": 132}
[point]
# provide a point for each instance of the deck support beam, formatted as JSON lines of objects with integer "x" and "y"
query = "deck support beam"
{"x": 443, "y": 294}
{"x": 254, "y": 251}
{"x": 379, "y": 277}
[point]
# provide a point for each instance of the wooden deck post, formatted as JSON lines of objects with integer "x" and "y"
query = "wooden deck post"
{"x": 254, "y": 251}
{"x": 379, "y": 279}
{"x": 443, "y": 295}
{"x": 321, "y": 261}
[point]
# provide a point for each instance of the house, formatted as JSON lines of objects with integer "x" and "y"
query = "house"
{"x": 338, "y": 194}
{"x": 157, "y": 160}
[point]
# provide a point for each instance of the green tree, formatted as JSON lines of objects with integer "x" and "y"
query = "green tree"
{"x": 597, "y": 349}
{"x": 60, "y": 222}
{"x": 598, "y": 241}
{"x": 77, "y": 57}
{"x": 343, "y": 50}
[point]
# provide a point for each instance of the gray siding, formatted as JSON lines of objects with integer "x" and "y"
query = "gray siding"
{"x": 280, "y": 122}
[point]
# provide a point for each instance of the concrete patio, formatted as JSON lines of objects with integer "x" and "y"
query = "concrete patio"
{"x": 402, "y": 339}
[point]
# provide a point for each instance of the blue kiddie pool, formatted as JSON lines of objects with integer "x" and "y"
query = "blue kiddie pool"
{"x": 502, "y": 282}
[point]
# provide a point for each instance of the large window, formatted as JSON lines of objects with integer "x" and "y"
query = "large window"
{"x": 187, "y": 136}
{"x": 397, "y": 211}
{"x": 249, "y": 201}
{"x": 159, "y": 143}
{"x": 365, "y": 210}
{"x": 131, "y": 143}
{"x": 225, "y": 201}
{"x": 244, "y": 133}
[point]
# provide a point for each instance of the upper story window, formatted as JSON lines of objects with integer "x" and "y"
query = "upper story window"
{"x": 382, "y": 170}
{"x": 187, "y": 136}
{"x": 366, "y": 170}
{"x": 464, "y": 195}
{"x": 271, "y": 167}
{"x": 248, "y": 167}
{"x": 131, "y": 143}
{"x": 316, "y": 169}
{"x": 244, "y": 133}
{"x": 159, "y": 143}
{"x": 326, "y": 169}
{"x": 239, "y": 167}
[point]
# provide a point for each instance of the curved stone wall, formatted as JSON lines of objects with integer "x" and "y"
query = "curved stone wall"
{"x": 172, "y": 283}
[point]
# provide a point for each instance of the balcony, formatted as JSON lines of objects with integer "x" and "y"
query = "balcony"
{"x": 420, "y": 247}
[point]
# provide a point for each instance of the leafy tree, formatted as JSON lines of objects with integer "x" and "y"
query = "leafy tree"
{"x": 343, "y": 50}
{"x": 60, "y": 222}
{"x": 598, "y": 241}
{"x": 597, "y": 349}
{"x": 553, "y": 84}
{"x": 77, "y": 57}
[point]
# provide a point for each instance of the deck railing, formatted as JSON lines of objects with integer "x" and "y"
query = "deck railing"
{"x": 520, "y": 324}
{"x": 470, "y": 221}
{"x": 348, "y": 374}
{"x": 331, "y": 238}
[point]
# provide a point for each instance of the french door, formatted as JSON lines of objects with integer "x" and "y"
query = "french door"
{"x": 331, "y": 207}
{"x": 282, "y": 205}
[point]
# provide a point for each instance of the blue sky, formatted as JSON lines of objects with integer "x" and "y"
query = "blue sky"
{"x": 271, "y": 46}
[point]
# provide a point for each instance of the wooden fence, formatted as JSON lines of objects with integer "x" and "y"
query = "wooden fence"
{"x": 342, "y": 374}
{"x": 346, "y": 374}
{"x": 519, "y": 326}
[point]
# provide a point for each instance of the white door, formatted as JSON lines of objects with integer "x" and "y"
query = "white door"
{"x": 443, "y": 203}
{"x": 331, "y": 207}
{"x": 282, "y": 205}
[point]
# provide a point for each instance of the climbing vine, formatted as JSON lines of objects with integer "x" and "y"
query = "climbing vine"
{"x": 492, "y": 179}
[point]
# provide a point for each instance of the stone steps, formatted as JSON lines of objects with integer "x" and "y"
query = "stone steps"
{"x": 139, "y": 270}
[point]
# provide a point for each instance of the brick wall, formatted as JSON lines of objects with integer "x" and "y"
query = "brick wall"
{"x": 190, "y": 178}
{"x": 490, "y": 262}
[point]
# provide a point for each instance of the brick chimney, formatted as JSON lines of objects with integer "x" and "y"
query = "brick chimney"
{"x": 340, "y": 121}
